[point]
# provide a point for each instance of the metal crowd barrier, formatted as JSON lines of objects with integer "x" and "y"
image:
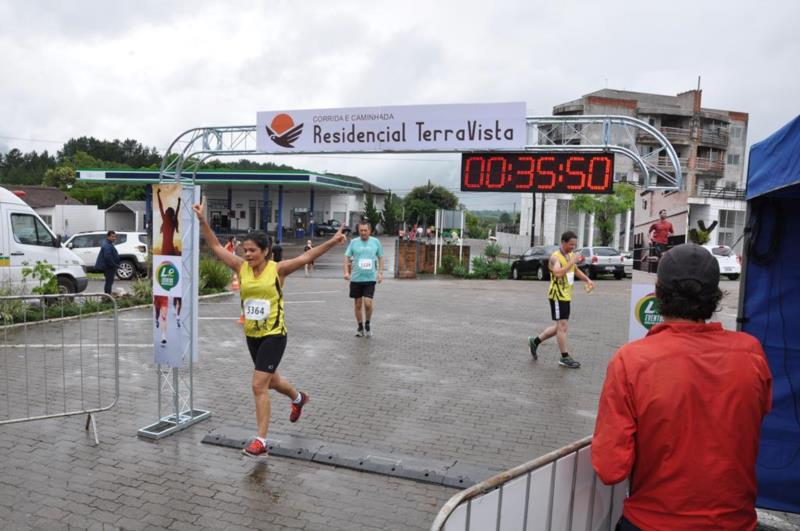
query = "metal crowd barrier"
{"x": 63, "y": 365}
{"x": 558, "y": 491}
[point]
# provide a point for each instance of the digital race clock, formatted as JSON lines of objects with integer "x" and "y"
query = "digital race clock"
{"x": 558, "y": 172}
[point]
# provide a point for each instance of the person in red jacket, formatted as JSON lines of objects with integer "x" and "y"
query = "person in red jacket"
{"x": 681, "y": 409}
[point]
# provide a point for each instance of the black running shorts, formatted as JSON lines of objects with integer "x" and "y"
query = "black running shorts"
{"x": 266, "y": 352}
{"x": 362, "y": 289}
{"x": 559, "y": 310}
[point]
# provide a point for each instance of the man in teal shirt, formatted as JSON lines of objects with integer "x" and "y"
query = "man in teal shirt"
{"x": 363, "y": 267}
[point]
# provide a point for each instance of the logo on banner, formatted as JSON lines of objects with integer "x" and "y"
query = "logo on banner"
{"x": 647, "y": 311}
{"x": 167, "y": 275}
{"x": 283, "y": 132}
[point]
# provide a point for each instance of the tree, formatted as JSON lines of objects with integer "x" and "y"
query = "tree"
{"x": 505, "y": 218}
{"x": 371, "y": 213}
{"x": 129, "y": 152}
{"x": 392, "y": 213}
{"x": 474, "y": 227}
{"x": 61, "y": 176}
{"x": 421, "y": 203}
{"x": 605, "y": 208}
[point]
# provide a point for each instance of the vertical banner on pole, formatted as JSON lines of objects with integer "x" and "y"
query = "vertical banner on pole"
{"x": 173, "y": 291}
{"x": 176, "y": 259}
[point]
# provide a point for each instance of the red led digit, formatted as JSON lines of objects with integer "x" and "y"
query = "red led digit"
{"x": 502, "y": 177}
{"x": 606, "y": 176}
{"x": 581, "y": 182}
{"x": 529, "y": 173}
{"x": 546, "y": 173}
{"x": 472, "y": 184}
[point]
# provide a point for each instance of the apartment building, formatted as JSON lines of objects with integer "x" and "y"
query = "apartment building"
{"x": 710, "y": 144}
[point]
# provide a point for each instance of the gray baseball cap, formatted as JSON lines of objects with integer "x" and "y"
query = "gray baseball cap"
{"x": 689, "y": 262}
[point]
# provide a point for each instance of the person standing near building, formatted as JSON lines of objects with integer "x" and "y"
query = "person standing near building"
{"x": 108, "y": 260}
{"x": 309, "y": 266}
{"x": 562, "y": 278}
{"x": 261, "y": 292}
{"x": 363, "y": 267}
{"x": 681, "y": 409}
{"x": 659, "y": 233}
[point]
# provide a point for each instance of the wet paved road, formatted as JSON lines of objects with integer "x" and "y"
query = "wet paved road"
{"x": 447, "y": 376}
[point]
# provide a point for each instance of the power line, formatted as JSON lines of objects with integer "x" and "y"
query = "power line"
{"x": 42, "y": 140}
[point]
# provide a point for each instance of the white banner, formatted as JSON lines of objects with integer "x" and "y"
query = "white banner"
{"x": 644, "y": 313}
{"x": 454, "y": 127}
{"x": 175, "y": 274}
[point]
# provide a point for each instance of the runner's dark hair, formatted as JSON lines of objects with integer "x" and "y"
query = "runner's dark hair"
{"x": 567, "y": 236}
{"x": 688, "y": 299}
{"x": 261, "y": 240}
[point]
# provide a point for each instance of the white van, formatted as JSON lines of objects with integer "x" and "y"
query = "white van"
{"x": 25, "y": 238}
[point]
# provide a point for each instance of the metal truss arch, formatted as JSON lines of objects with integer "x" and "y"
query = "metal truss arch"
{"x": 659, "y": 167}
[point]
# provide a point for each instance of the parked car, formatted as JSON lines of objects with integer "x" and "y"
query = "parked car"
{"x": 730, "y": 264}
{"x": 533, "y": 262}
{"x": 627, "y": 263}
{"x": 131, "y": 246}
{"x": 602, "y": 261}
{"x": 26, "y": 239}
{"x": 329, "y": 227}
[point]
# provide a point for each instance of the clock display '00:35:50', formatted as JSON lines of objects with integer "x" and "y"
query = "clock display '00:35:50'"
{"x": 557, "y": 172}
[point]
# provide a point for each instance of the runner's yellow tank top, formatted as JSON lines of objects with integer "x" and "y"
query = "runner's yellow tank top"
{"x": 561, "y": 288}
{"x": 262, "y": 301}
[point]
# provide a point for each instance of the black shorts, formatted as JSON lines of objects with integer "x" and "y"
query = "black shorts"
{"x": 559, "y": 310}
{"x": 266, "y": 351}
{"x": 362, "y": 289}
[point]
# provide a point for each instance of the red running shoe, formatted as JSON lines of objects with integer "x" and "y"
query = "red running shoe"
{"x": 255, "y": 449}
{"x": 297, "y": 409}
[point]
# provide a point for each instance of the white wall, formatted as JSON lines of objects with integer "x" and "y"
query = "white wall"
{"x": 71, "y": 219}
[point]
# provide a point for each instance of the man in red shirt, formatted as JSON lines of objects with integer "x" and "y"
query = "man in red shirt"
{"x": 681, "y": 409}
{"x": 659, "y": 233}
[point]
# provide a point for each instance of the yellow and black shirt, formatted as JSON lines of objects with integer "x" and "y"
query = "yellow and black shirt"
{"x": 262, "y": 301}
{"x": 561, "y": 288}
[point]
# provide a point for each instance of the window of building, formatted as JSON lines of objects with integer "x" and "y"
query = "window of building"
{"x": 736, "y": 132}
{"x": 733, "y": 159}
{"x": 731, "y": 227}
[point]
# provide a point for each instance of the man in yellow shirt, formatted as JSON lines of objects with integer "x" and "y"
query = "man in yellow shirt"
{"x": 562, "y": 278}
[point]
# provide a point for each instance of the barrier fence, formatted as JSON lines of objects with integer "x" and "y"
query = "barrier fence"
{"x": 558, "y": 491}
{"x": 59, "y": 357}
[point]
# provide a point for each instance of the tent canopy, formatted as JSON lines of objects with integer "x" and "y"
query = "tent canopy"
{"x": 770, "y": 309}
{"x": 775, "y": 163}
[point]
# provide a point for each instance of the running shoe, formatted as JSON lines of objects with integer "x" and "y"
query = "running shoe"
{"x": 360, "y": 332}
{"x": 297, "y": 409}
{"x": 569, "y": 363}
{"x": 368, "y": 332}
{"x": 255, "y": 449}
{"x": 533, "y": 346}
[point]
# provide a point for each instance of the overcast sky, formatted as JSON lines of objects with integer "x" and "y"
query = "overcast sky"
{"x": 150, "y": 69}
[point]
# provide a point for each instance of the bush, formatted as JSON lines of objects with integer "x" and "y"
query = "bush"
{"x": 483, "y": 268}
{"x": 448, "y": 263}
{"x": 214, "y": 276}
{"x": 460, "y": 271}
{"x": 492, "y": 251}
{"x": 142, "y": 289}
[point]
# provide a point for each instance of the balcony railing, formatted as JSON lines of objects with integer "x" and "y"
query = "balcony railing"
{"x": 719, "y": 193}
{"x": 676, "y": 135}
{"x": 717, "y": 138}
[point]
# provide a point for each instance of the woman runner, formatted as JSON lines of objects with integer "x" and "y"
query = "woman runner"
{"x": 261, "y": 291}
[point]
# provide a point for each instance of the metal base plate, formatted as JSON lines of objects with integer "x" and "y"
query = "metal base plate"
{"x": 448, "y": 473}
{"x": 167, "y": 425}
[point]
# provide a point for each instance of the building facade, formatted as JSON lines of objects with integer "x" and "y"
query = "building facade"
{"x": 710, "y": 144}
{"x": 283, "y": 203}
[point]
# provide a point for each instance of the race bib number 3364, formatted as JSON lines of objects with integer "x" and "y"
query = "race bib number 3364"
{"x": 256, "y": 309}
